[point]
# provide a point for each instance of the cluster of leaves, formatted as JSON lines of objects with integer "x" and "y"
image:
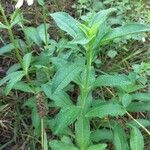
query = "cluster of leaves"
{"x": 68, "y": 64}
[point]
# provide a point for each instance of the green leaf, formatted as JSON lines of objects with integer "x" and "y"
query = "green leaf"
{"x": 126, "y": 99}
{"x": 141, "y": 96}
{"x": 65, "y": 75}
{"x": 11, "y": 80}
{"x": 103, "y": 134}
{"x": 13, "y": 68}
{"x": 98, "y": 147}
{"x": 112, "y": 80}
{"x": 66, "y": 116}
{"x": 23, "y": 87}
{"x": 125, "y": 30}
{"x": 61, "y": 98}
{"x": 82, "y": 128}
{"x": 106, "y": 109}
{"x": 58, "y": 145}
{"x": 66, "y": 23}
{"x": 41, "y": 31}
{"x": 41, "y": 2}
{"x": 120, "y": 139}
{"x": 136, "y": 139}
{"x": 33, "y": 35}
{"x": 138, "y": 107}
{"x": 26, "y": 62}
{"x": 144, "y": 122}
{"x": 16, "y": 18}
{"x": 6, "y": 48}
{"x": 101, "y": 16}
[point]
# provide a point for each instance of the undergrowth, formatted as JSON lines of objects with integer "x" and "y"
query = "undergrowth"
{"x": 81, "y": 86}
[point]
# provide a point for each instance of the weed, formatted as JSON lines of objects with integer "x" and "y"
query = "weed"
{"x": 88, "y": 122}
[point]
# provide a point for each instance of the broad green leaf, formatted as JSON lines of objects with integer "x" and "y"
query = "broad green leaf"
{"x": 66, "y": 23}
{"x": 82, "y": 128}
{"x": 66, "y": 116}
{"x": 42, "y": 33}
{"x": 141, "y": 96}
{"x": 125, "y": 30}
{"x": 23, "y": 87}
{"x": 98, "y": 147}
{"x": 31, "y": 102}
{"x": 26, "y": 62}
{"x": 101, "y": 134}
{"x": 58, "y": 145}
{"x": 61, "y": 98}
{"x": 126, "y": 99}
{"x": 6, "y": 48}
{"x": 120, "y": 139}
{"x": 144, "y": 122}
{"x": 138, "y": 107}
{"x": 112, "y": 80}
{"x": 33, "y": 35}
{"x": 101, "y": 16}
{"x": 132, "y": 88}
{"x": 11, "y": 80}
{"x": 136, "y": 139}
{"x": 106, "y": 109}
{"x": 13, "y": 68}
{"x": 67, "y": 140}
{"x": 65, "y": 75}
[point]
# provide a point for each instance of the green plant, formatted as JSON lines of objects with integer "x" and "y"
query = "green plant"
{"x": 91, "y": 35}
{"x": 88, "y": 122}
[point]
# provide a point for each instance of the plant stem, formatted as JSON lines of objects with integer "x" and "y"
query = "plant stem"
{"x": 85, "y": 89}
{"x": 82, "y": 127}
{"x": 12, "y": 39}
{"x": 42, "y": 134}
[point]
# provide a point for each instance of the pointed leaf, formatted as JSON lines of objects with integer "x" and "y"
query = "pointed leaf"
{"x": 65, "y": 75}
{"x": 125, "y": 30}
{"x": 139, "y": 106}
{"x": 136, "y": 139}
{"x": 61, "y": 98}
{"x": 6, "y": 48}
{"x": 103, "y": 134}
{"x": 141, "y": 96}
{"x": 66, "y": 116}
{"x": 120, "y": 139}
{"x": 82, "y": 128}
{"x": 65, "y": 22}
{"x": 33, "y": 35}
{"x": 58, "y": 145}
{"x": 144, "y": 122}
{"x": 112, "y": 80}
{"x": 26, "y": 61}
{"x": 101, "y": 16}
{"x": 106, "y": 109}
{"x": 98, "y": 147}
